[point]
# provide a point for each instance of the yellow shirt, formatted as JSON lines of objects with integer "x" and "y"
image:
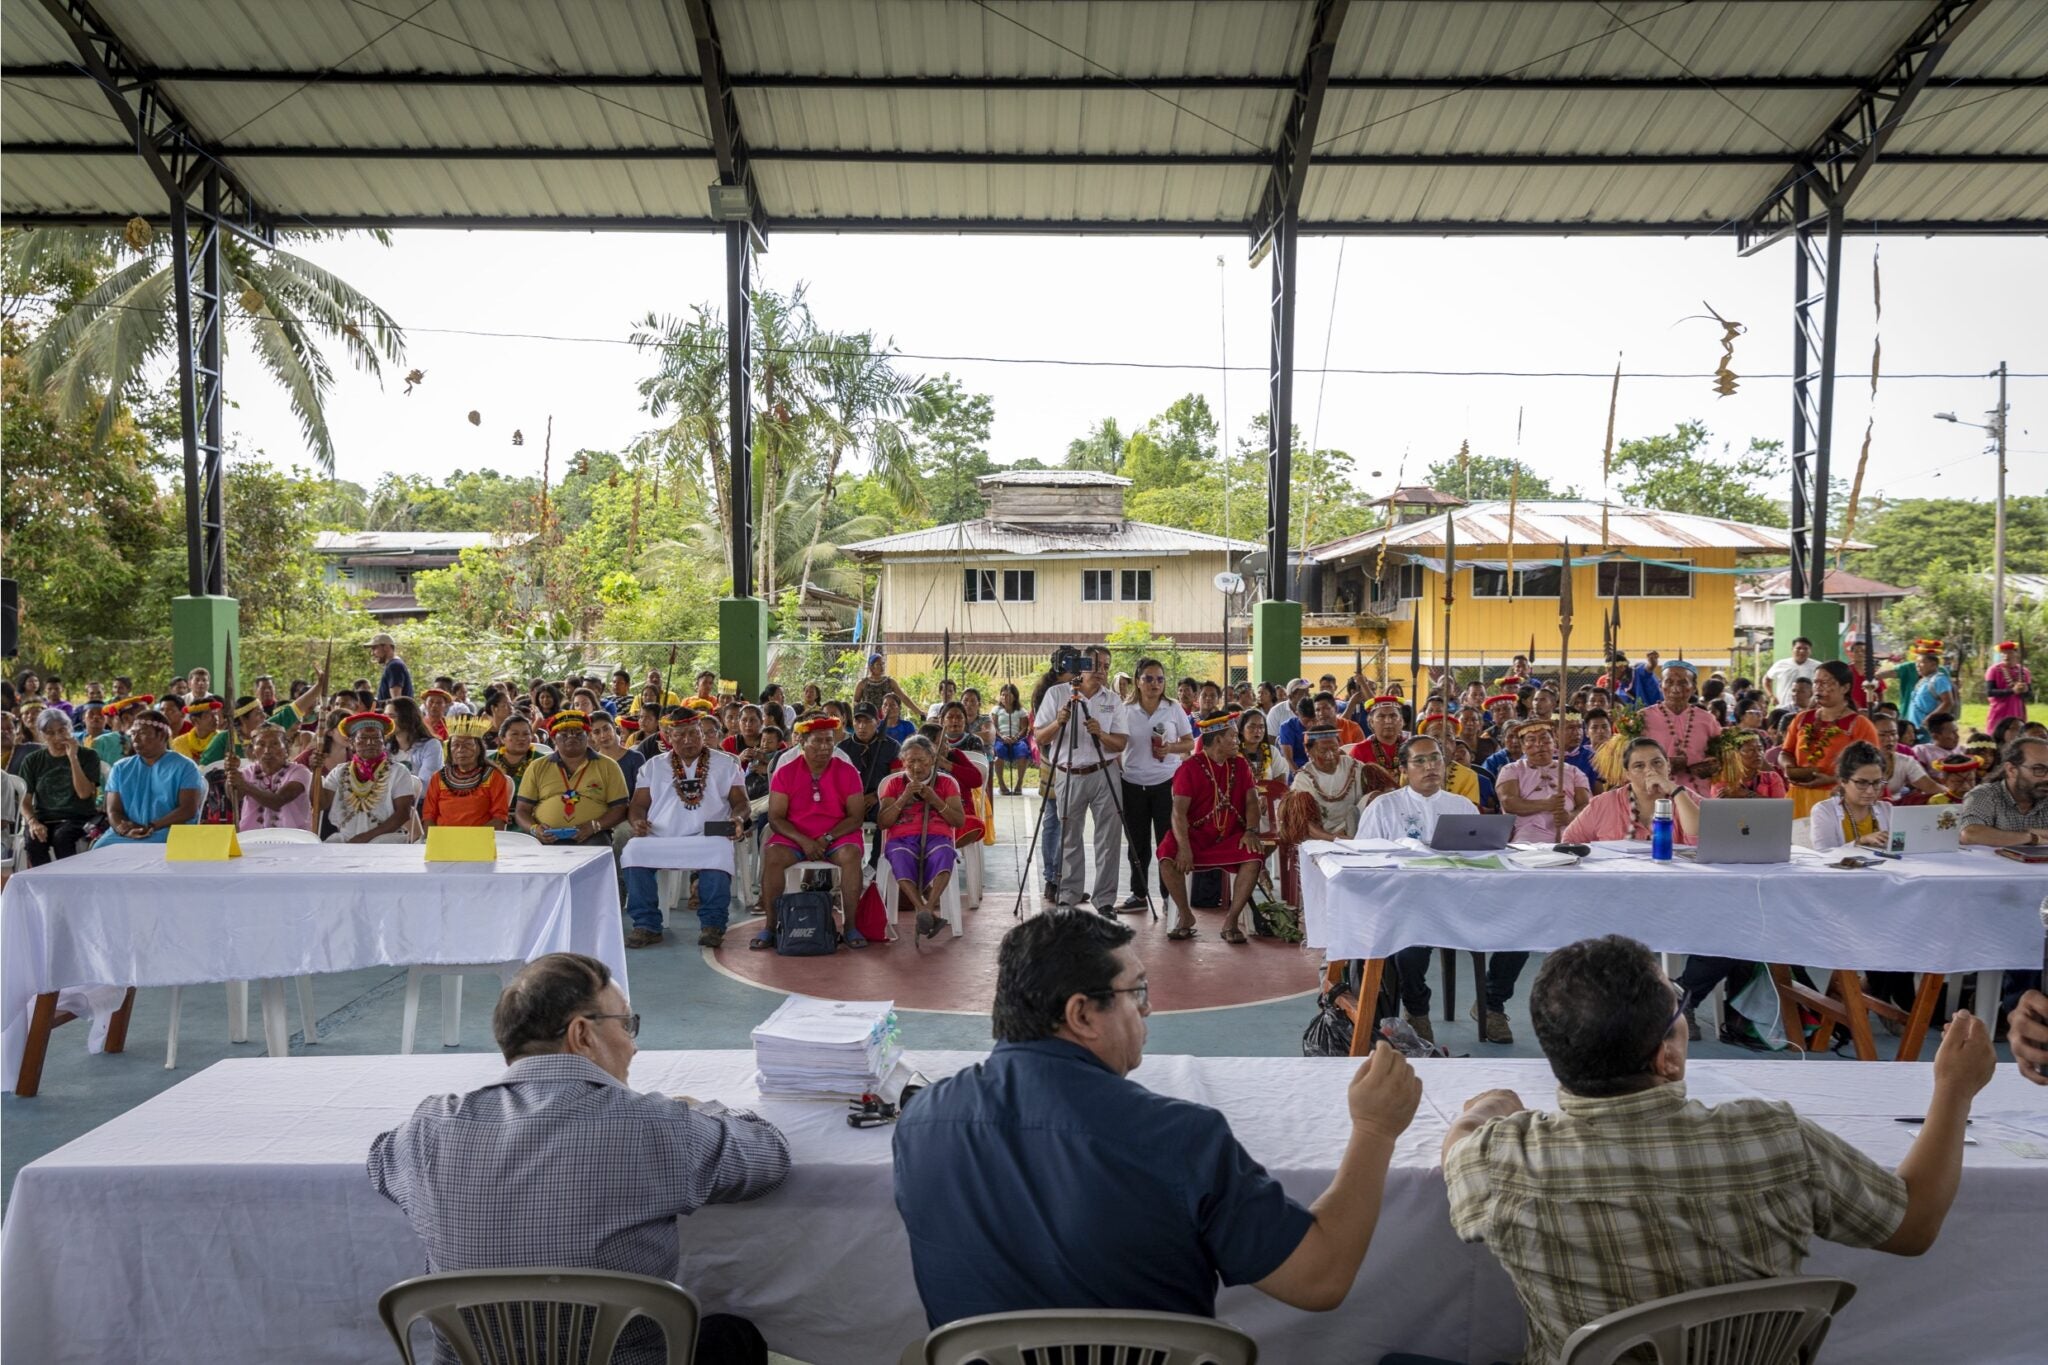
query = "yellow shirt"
{"x": 192, "y": 744}
{"x": 668, "y": 700}
{"x": 600, "y": 785}
{"x": 1459, "y": 781}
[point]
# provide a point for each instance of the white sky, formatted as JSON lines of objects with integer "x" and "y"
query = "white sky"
{"x": 1951, "y": 305}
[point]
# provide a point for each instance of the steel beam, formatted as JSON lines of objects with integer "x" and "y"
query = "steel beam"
{"x": 1071, "y": 227}
{"x": 1280, "y": 201}
{"x": 196, "y": 280}
{"x": 963, "y": 157}
{"x": 1816, "y": 311}
{"x": 160, "y": 134}
{"x": 571, "y": 81}
{"x": 721, "y": 112}
{"x": 739, "y": 392}
{"x": 1839, "y": 159}
{"x": 1280, "y": 243}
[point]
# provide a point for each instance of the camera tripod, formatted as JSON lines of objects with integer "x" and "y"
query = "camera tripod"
{"x": 1072, "y": 731}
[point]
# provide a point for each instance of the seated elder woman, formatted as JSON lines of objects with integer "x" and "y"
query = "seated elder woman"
{"x": 1215, "y": 824}
{"x": 1625, "y": 811}
{"x": 815, "y": 808}
{"x": 919, "y": 815}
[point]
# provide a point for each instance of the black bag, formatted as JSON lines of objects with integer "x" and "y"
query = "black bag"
{"x": 803, "y": 924}
{"x": 1206, "y": 892}
{"x": 1329, "y": 1033}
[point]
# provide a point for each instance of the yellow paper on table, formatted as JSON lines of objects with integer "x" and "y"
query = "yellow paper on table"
{"x": 462, "y": 844}
{"x": 201, "y": 844}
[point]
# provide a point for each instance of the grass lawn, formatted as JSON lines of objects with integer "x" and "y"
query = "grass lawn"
{"x": 1974, "y": 715}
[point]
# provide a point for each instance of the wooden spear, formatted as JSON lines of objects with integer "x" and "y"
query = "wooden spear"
{"x": 1564, "y": 664}
{"x": 1450, "y": 596}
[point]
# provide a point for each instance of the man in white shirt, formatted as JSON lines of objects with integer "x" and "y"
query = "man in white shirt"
{"x": 1410, "y": 812}
{"x": 1779, "y": 676}
{"x": 1282, "y": 711}
{"x": 1084, "y": 754}
{"x": 674, "y": 795}
{"x": 947, "y": 689}
{"x": 1162, "y": 736}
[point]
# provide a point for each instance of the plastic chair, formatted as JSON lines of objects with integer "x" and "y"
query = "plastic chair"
{"x": 949, "y": 899}
{"x": 514, "y": 840}
{"x": 970, "y": 856}
{"x": 1157, "y": 1338}
{"x": 538, "y": 1316}
{"x": 1779, "y": 1321}
{"x": 451, "y": 975}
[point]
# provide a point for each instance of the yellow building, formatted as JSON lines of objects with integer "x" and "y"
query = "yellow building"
{"x": 1674, "y": 576}
{"x": 1054, "y": 562}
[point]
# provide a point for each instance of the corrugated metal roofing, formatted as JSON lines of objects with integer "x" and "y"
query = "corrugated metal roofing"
{"x": 1839, "y": 584}
{"x": 1485, "y": 524}
{"x": 1058, "y": 478}
{"x": 1163, "y": 113}
{"x": 993, "y": 538}
{"x": 412, "y": 542}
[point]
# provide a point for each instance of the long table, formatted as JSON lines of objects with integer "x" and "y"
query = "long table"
{"x": 229, "y": 1219}
{"x": 124, "y": 917}
{"x": 1967, "y": 911}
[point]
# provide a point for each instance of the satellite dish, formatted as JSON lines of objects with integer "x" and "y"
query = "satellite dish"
{"x": 1229, "y": 582}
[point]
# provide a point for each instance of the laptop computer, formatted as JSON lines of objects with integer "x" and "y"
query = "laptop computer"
{"x": 1926, "y": 829}
{"x": 1463, "y": 833}
{"x": 1746, "y": 831}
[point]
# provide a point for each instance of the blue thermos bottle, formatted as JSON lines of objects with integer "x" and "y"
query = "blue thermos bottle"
{"x": 1660, "y": 831}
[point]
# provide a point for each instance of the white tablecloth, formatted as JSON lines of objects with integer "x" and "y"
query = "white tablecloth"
{"x": 1939, "y": 912}
{"x": 692, "y": 852}
{"x": 123, "y": 916}
{"x": 229, "y": 1218}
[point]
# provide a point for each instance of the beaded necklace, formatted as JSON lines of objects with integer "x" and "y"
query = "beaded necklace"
{"x": 365, "y": 784}
{"x": 1222, "y": 784}
{"x": 1343, "y": 784}
{"x": 570, "y": 782}
{"x": 689, "y": 790}
{"x": 456, "y": 780}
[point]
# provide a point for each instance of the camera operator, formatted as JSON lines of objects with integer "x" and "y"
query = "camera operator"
{"x": 1080, "y": 728}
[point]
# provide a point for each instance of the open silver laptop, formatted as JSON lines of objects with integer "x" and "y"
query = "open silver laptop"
{"x": 1464, "y": 833}
{"x": 1926, "y": 829}
{"x": 1745, "y": 831}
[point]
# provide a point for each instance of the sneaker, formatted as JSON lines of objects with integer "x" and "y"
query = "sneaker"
{"x": 1131, "y": 902}
{"x": 1692, "y": 1027}
{"x": 711, "y": 937}
{"x": 1052, "y": 893}
{"x": 642, "y": 938}
{"x": 1493, "y": 1026}
{"x": 1420, "y": 1023}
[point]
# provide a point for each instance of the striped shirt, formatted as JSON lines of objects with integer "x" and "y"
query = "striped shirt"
{"x": 555, "y": 1163}
{"x": 1620, "y": 1200}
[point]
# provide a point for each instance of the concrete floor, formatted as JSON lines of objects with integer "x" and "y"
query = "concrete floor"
{"x": 683, "y": 1002}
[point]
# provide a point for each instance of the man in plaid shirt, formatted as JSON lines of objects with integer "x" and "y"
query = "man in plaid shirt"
{"x": 558, "y": 1163}
{"x": 1634, "y": 1192}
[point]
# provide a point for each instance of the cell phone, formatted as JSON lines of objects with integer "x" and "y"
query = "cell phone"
{"x": 564, "y": 832}
{"x": 718, "y": 828}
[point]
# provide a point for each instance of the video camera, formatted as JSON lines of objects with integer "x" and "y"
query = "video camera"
{"x": 1069, "y": 659}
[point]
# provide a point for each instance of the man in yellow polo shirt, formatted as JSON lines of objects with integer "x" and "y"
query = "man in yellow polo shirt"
{"x": 575, "y": 795}
{"x": 205, "y": 716}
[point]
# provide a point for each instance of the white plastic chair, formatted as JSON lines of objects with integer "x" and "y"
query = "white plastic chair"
{"x": 274, "y": 1020}
{"x": 949, "y": 899}
{"x": 578, "y": 1313}
{"x": 1779, "y": 1321}
{"x": 970, "y": 856}
{"x": 451, "y": 975}
{"x": 1068, "y": 1334}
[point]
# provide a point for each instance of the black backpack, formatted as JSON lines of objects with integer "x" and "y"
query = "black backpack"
{"x": 803, "y": 915}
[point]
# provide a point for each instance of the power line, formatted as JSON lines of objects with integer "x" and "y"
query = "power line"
{"x": 398, "y": 21}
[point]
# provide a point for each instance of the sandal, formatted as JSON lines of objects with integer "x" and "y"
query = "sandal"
{"x": 1181, "y": 933}
{"x": 1233, "y": 935}
{"x": 853, "y": 938}
{"x": 764, "y": 939}
{"x": 928, "y": 924}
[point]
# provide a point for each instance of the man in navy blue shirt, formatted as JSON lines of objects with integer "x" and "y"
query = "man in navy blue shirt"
{"x": 1044, "y": 1178}
{"x": 396, "y": 679}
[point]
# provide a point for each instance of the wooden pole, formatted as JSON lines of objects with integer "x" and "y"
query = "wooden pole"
{"x": 1564, "y": 655}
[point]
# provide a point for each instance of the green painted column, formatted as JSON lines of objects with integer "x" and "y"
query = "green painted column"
{"x": 1276, "y": 641}
{"x": 743, "y": 642}
{"x": 1820, "y": 622}
{"x": 202, "y": 629}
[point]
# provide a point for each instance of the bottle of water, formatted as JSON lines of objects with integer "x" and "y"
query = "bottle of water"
{"x": 1660, "y": 831}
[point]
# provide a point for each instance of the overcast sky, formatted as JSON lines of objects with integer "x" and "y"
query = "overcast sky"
{"x": 1956, "y": 305}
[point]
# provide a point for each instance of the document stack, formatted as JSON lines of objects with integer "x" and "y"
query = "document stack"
{"x": 826, "y": 1049}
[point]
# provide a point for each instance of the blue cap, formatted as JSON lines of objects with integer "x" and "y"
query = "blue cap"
{"x": 874, "y": 658}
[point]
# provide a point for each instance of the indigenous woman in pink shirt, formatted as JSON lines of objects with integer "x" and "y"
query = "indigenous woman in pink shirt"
{"x": 1625, "y": 811}
{"x": 815, "y": 806}
{"x": 1683, "y": 730}
{"x": 271, "y": 791}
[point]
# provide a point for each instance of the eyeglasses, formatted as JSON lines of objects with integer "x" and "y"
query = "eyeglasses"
{"x": 1141, "y": 993}
{"x": 1872, "y": 783}
{"x": 631, "y": 1022}
{"x": 2036, "y": 770}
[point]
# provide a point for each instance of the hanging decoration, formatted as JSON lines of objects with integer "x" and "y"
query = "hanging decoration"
{"x": 476, "y": 419}
{"x": 138, "y": 234}
{"x": 1465, "y": 466}
{"x": 412, "y": 378}
{"x": 1607, "y": 454}
{"x": 1725, "y": 380}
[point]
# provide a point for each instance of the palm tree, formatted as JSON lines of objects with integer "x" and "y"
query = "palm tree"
{"x": 281, "y": 304}
{"x": 862, "y": 401}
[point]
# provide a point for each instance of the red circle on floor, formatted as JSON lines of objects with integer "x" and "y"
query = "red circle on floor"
{"x": 958, "y": 975}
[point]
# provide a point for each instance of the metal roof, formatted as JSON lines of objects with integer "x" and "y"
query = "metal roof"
{"x": 985, "y": 537}
{"x": 413, "y": 542}
{"x": 1839, "y": 584}
{"x": 1546, "y": 524}
{"x": 1023, "y": 115}
{"x": 1057, "y": 478}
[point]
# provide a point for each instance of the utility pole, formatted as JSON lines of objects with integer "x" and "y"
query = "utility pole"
{"x": 1998, "y": 515}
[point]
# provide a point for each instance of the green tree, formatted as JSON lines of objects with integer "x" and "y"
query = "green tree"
{"x": 1491, "y": 476}
{"x": 1954, "y": 605}
{"x": 1909, "y": 537}
{"x": 950, "y": 432}
{"x": 95, "y": 351}
{"x": 861, "y": 405}
{"x": 1174, "y": 447}
{"x": 1675, "y": 472}
{"x": 271, "y": 515}
{"x": 1101, "y": 450}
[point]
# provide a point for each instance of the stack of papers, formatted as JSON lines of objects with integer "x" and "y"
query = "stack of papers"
{"x": 826, "y": 1049}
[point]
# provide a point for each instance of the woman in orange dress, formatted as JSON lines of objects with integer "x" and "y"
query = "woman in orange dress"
{"x": 1816, "y": 737}
{"x": 465, "y": 790}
